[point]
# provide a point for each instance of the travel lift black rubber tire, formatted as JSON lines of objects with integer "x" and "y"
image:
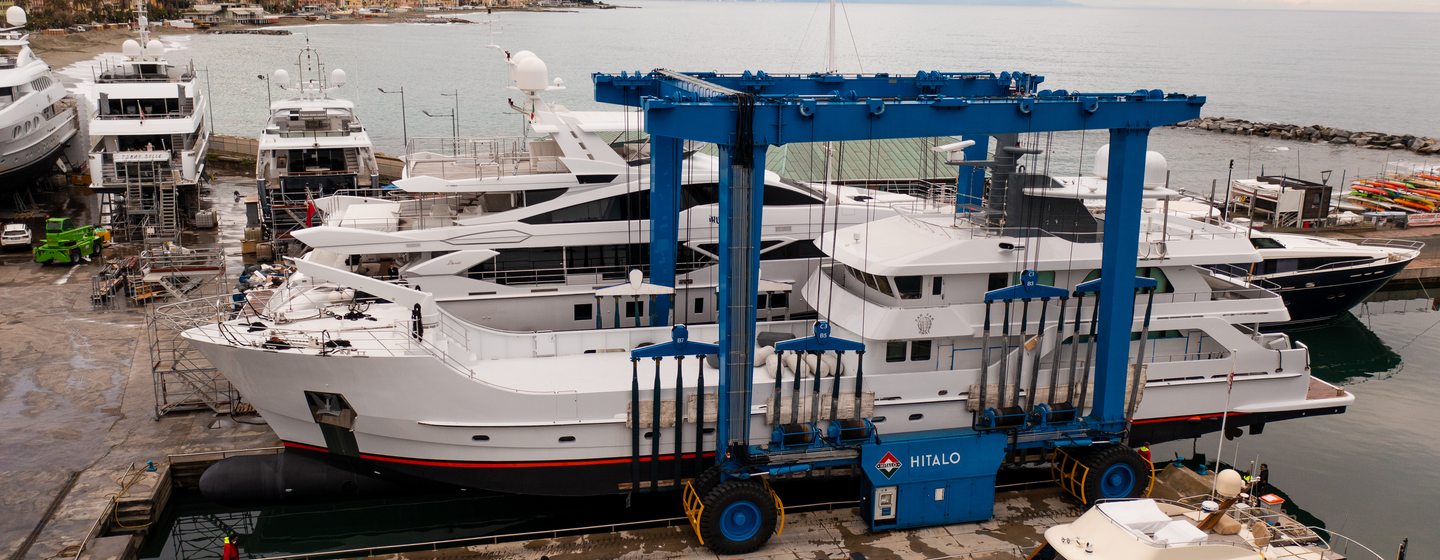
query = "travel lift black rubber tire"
{"x": 739, "y": 517}
{"x": 1116, "y": 472}
{"x": 706, "y": 481}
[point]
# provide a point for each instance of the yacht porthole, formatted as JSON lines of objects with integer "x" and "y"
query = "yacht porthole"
{"x": 877, "y": 419}
{"x": 567, "y": 439}
{"x": 943, "y": 392}
{"x": 480, "y": 437}
{"x": 916, "y": 416}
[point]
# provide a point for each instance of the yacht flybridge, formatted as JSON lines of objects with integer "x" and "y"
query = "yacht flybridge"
{"x": 37, "y": 116}
{"x": 555, "y": 218}
{"x": 313, "y": 146}
{"x": 150, "y": 136}
{"x": 391, "y": 378}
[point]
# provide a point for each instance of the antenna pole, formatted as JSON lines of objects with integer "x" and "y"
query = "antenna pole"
{"x": 830, "y": 44}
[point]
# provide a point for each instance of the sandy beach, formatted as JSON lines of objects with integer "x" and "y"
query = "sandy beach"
{"x": 63, "y": 50}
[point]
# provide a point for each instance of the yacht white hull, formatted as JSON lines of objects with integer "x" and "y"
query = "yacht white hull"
{"x": 35, "y": 151}
{"x": 416, "y": 415}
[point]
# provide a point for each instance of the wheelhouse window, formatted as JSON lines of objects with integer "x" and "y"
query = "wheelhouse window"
{"x": 937, "y": 286}
{"x": 878, "y": 283}
{"x": 634, "y": 309}
{"x": 910, "y": 287}
{"x": 583, "y": 312}
{"x": 1162, "y": 282}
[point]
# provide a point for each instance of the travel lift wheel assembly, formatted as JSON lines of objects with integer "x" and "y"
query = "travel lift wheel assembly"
{"x": 914, "y": 479}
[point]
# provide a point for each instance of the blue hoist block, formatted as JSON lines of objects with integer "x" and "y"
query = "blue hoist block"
{"x": 930, "y": 478}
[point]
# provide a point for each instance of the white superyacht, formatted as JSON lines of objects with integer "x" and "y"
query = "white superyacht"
{"x": 37, "y": 115}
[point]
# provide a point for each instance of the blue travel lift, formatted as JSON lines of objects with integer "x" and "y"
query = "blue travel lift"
{"x": 915, "y": 479}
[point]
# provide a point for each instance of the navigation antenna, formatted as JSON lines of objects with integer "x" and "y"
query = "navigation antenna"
{"x": 143, "y": 22}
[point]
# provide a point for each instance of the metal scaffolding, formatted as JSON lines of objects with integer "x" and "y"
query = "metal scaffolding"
{"x": 184, "y": 379}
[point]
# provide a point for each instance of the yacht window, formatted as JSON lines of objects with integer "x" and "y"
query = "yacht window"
{"x": 630, "y": 206}
{"x": 780, "y": 300}
{"x": 803, "y": 249}
{"x": 699, "y": 305}
{"x": 538, "y": 196}
{"x": 1265, "y": 243}
{"x": 583, "y": 312}
{"x": 895, "y": 351}
{"x": 634, "y": 309}
{"x": 998, "y": 280}
{"x": 878, "y": 283}
{"x": 1043, "y": 277}
{"x": 920, "y": 351}
{"x": 937, "y": 286}
{"x": 781, "y": 196}
{"x": 910, "y": 287}
{"x": 699, "y": 194}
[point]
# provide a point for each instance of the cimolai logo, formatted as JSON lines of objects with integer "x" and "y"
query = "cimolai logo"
{"x": 888, "y": 465}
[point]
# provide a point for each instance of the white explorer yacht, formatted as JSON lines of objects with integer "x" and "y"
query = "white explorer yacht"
{"x": 386, "y": 378}
{"x": 150, "y": 133}
{"x": 37, "y": 115}
{"x": 313, "y": 146}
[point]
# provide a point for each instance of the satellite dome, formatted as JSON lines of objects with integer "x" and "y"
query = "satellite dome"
{"x": 1155, "y": 167}
{"x": 154, "y": 48}
{"x": 531, "y": 75}
{"x": 337, "y": 77}
{"x": 280, "y": 77}
{"x": 15, "y": 16}
{"x": 131, "y": 48}
{"x": 1155, "y": 170}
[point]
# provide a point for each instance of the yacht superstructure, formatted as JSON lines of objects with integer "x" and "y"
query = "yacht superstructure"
{"x": 37, "y": 115}
{"x": 386, "y": 377}
{"x": 312, "y": 146}
{"x": 150, "y": 134}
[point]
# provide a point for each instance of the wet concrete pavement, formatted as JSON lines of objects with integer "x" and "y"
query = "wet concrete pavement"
{"x": 76, "y": 396}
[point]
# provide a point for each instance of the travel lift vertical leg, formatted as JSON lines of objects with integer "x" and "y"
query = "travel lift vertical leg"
{"x": 666, "y": 157}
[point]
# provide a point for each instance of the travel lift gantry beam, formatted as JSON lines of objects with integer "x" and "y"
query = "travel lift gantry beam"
{"x": 916, "y": 479}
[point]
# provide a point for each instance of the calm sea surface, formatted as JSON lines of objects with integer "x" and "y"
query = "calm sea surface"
{"x": 1367, "y": 473}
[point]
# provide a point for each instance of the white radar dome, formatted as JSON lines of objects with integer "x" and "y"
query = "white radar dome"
{"x": 1155, "y": 167}
{"x": 144, "y": 22}
{"x": 15, "y": 16}
{"x": 280, "y": 77}
{"x": 131, "y": 48}
{"x": 532, "y": 75}
{"x": 1229, "y": 483}
{"x": 1155, "y": 170}
{"x": 337, "y": 77}
{"x": 154, "y": 48}
{"x": 1101, "y": 166}
{"x": 521, "y": 55}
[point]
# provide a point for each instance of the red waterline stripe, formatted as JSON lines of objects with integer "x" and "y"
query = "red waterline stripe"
{"x": 490, "y": 465}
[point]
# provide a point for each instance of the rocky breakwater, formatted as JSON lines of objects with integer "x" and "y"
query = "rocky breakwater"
{"x": 1316, "y": 133}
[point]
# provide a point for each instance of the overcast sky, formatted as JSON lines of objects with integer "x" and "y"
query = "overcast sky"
{"x": 1362, "y": 5}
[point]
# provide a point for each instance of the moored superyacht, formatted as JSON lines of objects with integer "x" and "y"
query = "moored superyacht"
{"x": 384, "y": 377}
{"x": 150, "y": 134}
{"x": 37, "y": 115}
{"x": 312, "y": 146}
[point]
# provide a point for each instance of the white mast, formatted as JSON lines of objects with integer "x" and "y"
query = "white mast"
{"x": 830, "y": 68}
{"x": 830, "y": 45}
